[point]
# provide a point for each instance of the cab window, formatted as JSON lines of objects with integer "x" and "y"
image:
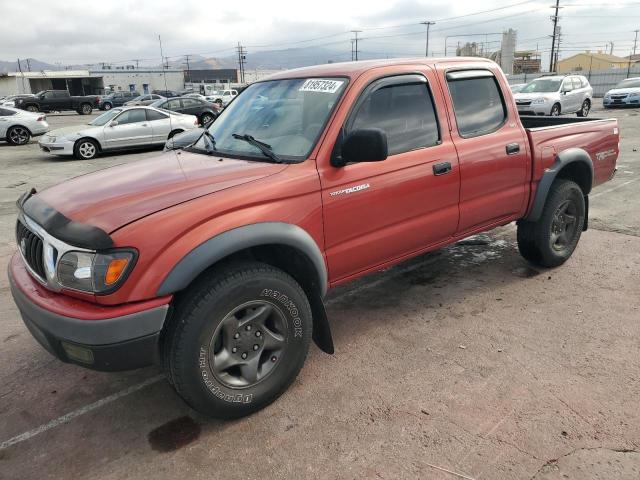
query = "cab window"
{"x": 405, "y": 112}
{"x": 477, "y": 102}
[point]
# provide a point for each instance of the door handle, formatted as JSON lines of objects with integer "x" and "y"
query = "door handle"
{"x": 144, "y": 125}
{"x": 512, "y": 148}
{"x": 441, "y": 168}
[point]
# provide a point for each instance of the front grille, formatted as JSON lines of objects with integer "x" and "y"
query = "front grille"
{"x": 31, "y": 247}
{"x": 619, "y": 97}
{"x": 523, "y": 102}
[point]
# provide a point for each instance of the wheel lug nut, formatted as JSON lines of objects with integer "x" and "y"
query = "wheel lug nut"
{"x": 244, "y": 355}
{"x": 236, "y": 336}
{"x": 255, "y": 347}
{"x": 258, "y": 333}
{"x": 274, "y": 358}
{"x": 248, "y": 327}
{"x": 234, "y": 350}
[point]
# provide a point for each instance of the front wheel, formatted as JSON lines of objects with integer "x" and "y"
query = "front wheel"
{"x": 584, "y": 109}
{"x": 555, "y": 110}
{"x": 551, "y": 240}
{"x": 107, "y": 106}
{"x": 206, "y": 118}
{"x": 237, "y": 339}
{"x": 85, "y": 149}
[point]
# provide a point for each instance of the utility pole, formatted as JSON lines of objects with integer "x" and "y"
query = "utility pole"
{"x": 352, "y": 49}
{"x": 554, "y": 18}
{"x": 188, "y": 68}
{"x": 356, "y": 32}
{"x": 635, "y": 44}
{"x": 428, "y": 24}
{"x": 242, "y": 56}
{"x": 28, "y": 65}
{"x": 137, "y": 64}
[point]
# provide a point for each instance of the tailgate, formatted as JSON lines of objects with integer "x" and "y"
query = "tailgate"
{"x": 599, "y": 138}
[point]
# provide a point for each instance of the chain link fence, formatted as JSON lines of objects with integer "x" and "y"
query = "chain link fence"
{"x": 601, "y": 80}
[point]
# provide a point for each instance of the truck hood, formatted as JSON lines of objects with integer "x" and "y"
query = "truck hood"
{"x": 114, "y": 197}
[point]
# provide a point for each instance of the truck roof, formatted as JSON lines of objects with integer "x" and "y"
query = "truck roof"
{"x": 355, "y": 69}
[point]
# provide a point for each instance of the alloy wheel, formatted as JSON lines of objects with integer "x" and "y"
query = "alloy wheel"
{"x": 87, "y": 150}
{"x": 563, "y": 225}
{"x": 19, "y": 135}
{"x": 248, "y": 344}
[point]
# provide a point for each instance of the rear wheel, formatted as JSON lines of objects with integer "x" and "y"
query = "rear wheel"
{"x": 551, "y": 240}
{"x": 32, "y": 108}
{"x": 85, "y": 149}
{"x": 237, "y": 339}
{"x": 107, "y": 106}
{"x": 18, "y": 135}
{"x": 555, "y": 110}
{"x": 173, "y": 133}
{"x": 205, "y": 118}
{"x": 584, "y": 109}
{"x": 85, "y": 109}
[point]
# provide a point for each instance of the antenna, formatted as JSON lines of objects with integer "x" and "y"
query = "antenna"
{"x": 164, "y": 74}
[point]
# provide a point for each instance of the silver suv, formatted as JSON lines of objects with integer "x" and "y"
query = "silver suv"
{"x": 555, "y": 95}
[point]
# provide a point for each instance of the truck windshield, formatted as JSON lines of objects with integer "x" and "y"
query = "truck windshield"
{"x": 629, "y": 83}
{"x": 105, "y": 117}
{"x": 287, "y": 115}
{"x": 542, "y": 85}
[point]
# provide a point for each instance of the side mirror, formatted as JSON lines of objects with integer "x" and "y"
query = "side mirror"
{"x": 566, "y": 90}
{"x": 114, "y": 123}
{"x": 364, "y": 145}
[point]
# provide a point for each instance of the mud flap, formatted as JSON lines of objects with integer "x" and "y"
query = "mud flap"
{"x": 321, "y": 329}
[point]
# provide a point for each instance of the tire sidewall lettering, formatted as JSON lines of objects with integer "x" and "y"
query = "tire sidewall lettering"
{"x": 289, "y": 305}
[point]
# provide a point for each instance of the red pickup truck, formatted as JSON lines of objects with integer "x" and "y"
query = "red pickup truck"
{"x": 213, "y": 260}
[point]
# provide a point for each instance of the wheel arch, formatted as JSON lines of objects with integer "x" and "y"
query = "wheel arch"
{"x": 19, "y": 125}
{"x": 279, "y": 244}
{"x": 572, "y": 164}
{"x": 86, "y": 137}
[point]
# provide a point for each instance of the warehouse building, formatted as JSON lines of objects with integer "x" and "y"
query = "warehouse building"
{"x": 91, "y": 82}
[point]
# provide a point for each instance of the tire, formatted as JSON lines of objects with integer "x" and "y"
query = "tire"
{"x": 584, "y": 109}
{"x": 551, "y": 240}
{"x": 32, "y": 108}
{"x": 85, "y": 109}
{"x": 251, "y": 316}
{"x": 86, "y": 149}
{"x": 107, "y": 106}
{"x": 206, "y": 118}
{"x": 18, "y": 135}
{"x": 173, "y": 133}
{"x": 555, "y": 110}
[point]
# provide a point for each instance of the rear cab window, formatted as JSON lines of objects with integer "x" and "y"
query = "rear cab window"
{"x": 478, "y": 104}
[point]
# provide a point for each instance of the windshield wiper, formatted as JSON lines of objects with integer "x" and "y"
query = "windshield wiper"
{"x": 263, "y": 147}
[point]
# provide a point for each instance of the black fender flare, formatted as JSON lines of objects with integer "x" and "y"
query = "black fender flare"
{"x": 254, "y": 235}
{"x": 569, "y": 156}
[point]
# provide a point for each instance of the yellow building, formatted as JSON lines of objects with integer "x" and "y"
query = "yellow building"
{"x": 588, "y": 61}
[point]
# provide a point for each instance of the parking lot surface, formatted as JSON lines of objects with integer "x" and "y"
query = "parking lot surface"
{"x": 463, "y": 363}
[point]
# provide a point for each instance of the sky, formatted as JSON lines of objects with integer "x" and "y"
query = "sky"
{"x": 82, "y": 32}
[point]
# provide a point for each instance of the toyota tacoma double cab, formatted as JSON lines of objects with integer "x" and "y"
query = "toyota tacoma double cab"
{"x": 57, "y": 101}
{"x": 213, "y": 260}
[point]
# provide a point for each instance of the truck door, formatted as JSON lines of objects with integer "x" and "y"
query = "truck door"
{"x": 375, "y": 213}
{"x": 492, "y": 149}
{"x": 61, "y": 100}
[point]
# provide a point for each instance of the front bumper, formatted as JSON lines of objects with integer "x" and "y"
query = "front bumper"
{"x": 57, "y": 147}
{"x": 621, "y": 102}
{"x": 535, "y": 109}
{"x": 121, "y": 342}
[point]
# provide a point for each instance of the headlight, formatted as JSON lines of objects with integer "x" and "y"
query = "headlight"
{"x": 538, "y": 101}
{"x": 634, "y": 95}
{"x": 95, "y": 272}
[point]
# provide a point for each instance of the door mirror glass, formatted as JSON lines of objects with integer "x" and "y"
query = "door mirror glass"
{"x": 114, "y": 123}
{"x": 364, "y": 145}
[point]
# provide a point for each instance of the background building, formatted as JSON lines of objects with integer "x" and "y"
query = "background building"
{"x": 91, "y": 82}
{"x": 527, "y": 61}
{"x": 588, "y": 61}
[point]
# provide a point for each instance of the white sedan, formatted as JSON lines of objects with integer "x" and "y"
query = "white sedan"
{"x": 18, "y": 126}
{"x": 122, "y": 128}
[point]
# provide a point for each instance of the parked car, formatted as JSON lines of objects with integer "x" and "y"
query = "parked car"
{"x": 555, "y": 95}
{"x": 56, "y": 101}
{"x": 205, "y": 111}
{"x": 166, "y": 93}
{"x": 121, "y": 128}
{"x": 216, "y": 258}
{"x": 626, "y": 93}
{"x": 517, "y": 87}
{"x": 225, "y": 95}
{"x": 17, "y": 126}
{"x": 146, "y": 99}
{"x": 204, "y": 98}
{"x": 117, "y": 99}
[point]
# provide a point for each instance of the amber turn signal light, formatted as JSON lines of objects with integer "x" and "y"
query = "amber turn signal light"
{"x": 115, "y": 270}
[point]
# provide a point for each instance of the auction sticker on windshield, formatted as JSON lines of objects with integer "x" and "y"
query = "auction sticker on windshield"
{"x": 320, "y": 85}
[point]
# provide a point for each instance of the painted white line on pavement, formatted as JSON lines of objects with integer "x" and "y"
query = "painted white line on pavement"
{"x": 81, "y": 411}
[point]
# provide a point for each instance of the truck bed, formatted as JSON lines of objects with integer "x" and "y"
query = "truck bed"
{"x": 550, "y": 136}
